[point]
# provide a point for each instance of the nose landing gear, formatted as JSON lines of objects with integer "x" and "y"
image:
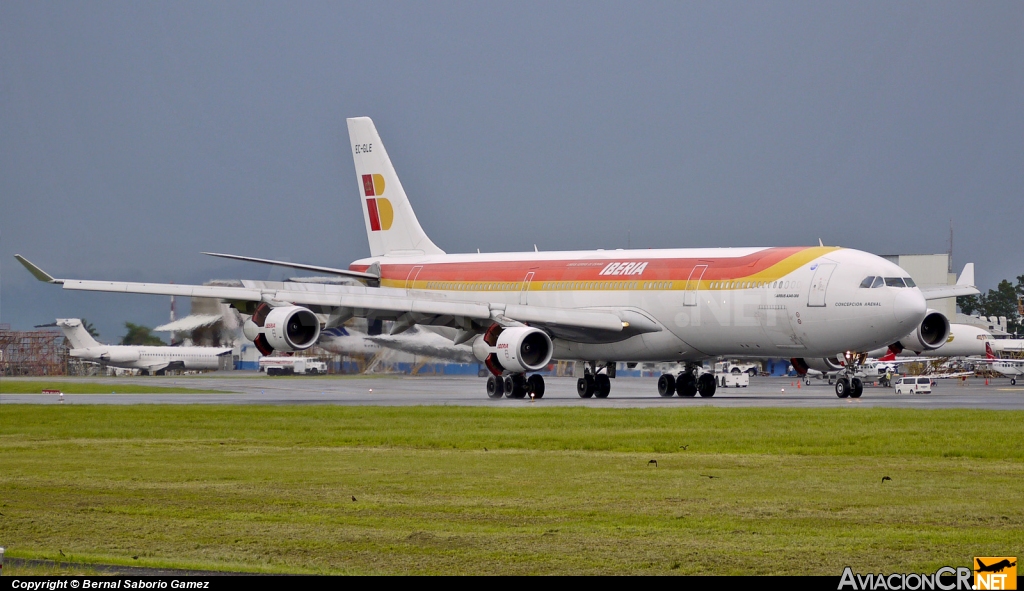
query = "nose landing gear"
{"x": 849, "y": 387}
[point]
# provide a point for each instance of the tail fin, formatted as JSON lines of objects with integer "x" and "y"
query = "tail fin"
{"x": 76, "y": 333}
{"x": 391, "y": 225}
{"x": 988, "y": 351}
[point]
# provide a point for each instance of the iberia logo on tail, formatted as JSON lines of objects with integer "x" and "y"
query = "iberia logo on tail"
{"x": 381, "y": 212}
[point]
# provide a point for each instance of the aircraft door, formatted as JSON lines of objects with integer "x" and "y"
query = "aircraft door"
{"x": 526, "y": 288}
{"x": 819, "y": 284}
{"x": 413, "y": 274}
{"x": 692, "y": 283}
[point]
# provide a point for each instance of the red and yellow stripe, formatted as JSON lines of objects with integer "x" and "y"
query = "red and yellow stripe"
{"x": 764, "y": 266}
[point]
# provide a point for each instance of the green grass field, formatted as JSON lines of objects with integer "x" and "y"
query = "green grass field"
{"x": 9, "y": 386}
{"x": 466, "y": 490}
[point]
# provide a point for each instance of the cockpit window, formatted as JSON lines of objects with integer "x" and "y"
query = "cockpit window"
{"x": 910, "y": 282}
{"x": 879, "y": 282}
{"x": 867, "y": 281}
{"x": 895, "y": 282}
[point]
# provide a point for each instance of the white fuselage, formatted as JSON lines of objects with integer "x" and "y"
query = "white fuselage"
{"x": 799, "y": 302}
{"x": 153, "y": 357}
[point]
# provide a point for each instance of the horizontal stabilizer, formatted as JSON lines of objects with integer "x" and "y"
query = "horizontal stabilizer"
{"x": 964, "y": 286}
{"x": 938, "y": 292}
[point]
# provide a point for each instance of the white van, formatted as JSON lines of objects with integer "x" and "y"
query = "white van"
{"x": 913, "y": 385}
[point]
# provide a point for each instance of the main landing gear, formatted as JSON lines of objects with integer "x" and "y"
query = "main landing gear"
{"x": 595, "y": 384}
{"x": 515, "y": 385}
{"x": 686, "y": 385}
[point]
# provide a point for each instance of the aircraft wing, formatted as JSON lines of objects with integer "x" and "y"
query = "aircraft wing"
{"x": 391, "y": 304}
{"x": 317, "y": 268}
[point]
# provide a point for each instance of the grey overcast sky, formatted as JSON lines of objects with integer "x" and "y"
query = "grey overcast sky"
{"x": 134, "y": 135}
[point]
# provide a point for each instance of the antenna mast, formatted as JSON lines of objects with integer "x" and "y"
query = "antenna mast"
{"x": 949, "y": 259}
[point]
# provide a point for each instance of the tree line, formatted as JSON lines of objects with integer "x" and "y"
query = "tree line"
{"x": 1004, "y": 300}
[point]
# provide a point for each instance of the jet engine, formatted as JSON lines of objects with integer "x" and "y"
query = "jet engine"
{"x": 929, "y": 335}
{"x": 824, "y": 365}
{"x": 288, "y": 328}
{"x": 517, "y": 350}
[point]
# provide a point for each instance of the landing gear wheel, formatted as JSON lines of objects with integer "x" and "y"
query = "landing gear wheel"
{"x": 706, "y": 385}
{"x": 603, "y": 385}
{"x": 495, "y": 387}
{"x": 585, "y": 386}
{"x": 667, "y": 384}
{"x": 842, "y": 387}
{"x": 856, "y": 388}
{"x": 515, "y": 386}
{"x": 535, "y": 385}
{"x": 686, "y": 385}
{"x": 807, "y": 382}
{"x": 1013, "y": 381}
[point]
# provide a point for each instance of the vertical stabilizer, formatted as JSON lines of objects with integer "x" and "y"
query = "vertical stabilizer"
{"x": 391, "y": 225}
{"x": 76, "y": 333}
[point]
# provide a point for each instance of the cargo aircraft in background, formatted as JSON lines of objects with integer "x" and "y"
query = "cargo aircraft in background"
{"x": 518, "y": 311}
{"x": 149, "y": 359}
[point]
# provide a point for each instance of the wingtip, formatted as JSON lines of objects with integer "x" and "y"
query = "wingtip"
{"x": 36, "y": 271}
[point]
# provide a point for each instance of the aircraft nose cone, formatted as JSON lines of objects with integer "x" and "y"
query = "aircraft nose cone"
{"x": 909, "y": 307}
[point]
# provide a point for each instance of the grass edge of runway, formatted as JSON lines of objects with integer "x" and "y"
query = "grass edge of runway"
{"x": 924, "y": 451}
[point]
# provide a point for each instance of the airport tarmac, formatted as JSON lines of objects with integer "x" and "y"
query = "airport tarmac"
{"x": 254, "y": 388}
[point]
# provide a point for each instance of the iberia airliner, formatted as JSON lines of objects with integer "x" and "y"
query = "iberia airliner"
{"x": 519, "y": 311}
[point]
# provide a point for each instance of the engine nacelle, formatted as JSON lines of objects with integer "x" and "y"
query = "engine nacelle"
{"x": 929, "y": 335}
{"x": 523, "y": 349}
{"x": 517, "y": 349}
{"x": 824, "y": 365}
{"x": 291, "y": 328}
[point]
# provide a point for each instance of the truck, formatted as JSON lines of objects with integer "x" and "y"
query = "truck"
{"x": 731, "y": 375}
{"x": 286, "y": 366}
{"x": 734, "y": 366}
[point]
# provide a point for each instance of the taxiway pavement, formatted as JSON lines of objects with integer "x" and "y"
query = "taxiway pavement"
{"x": 254, "y": 388}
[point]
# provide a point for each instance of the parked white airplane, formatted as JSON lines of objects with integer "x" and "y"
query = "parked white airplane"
{"x": 150, "y": 359}
{"x": 518, "y": 311}
{"x": 1011, "y": 368}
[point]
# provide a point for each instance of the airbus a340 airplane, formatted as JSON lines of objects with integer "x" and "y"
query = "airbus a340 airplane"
{"x": 150, "y": 359}
{"x": 518, "y": 311}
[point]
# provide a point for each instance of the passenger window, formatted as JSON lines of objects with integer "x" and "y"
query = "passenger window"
{"x": 895, "y": 282}
{"x": 909, "y": 282}
{"x": 879, "y": 282}
{"x": 867, "y": 282}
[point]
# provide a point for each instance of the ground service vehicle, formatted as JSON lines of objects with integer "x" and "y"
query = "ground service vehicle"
{"x": 286, "y": 366}
{"x": 913, "y": 385}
